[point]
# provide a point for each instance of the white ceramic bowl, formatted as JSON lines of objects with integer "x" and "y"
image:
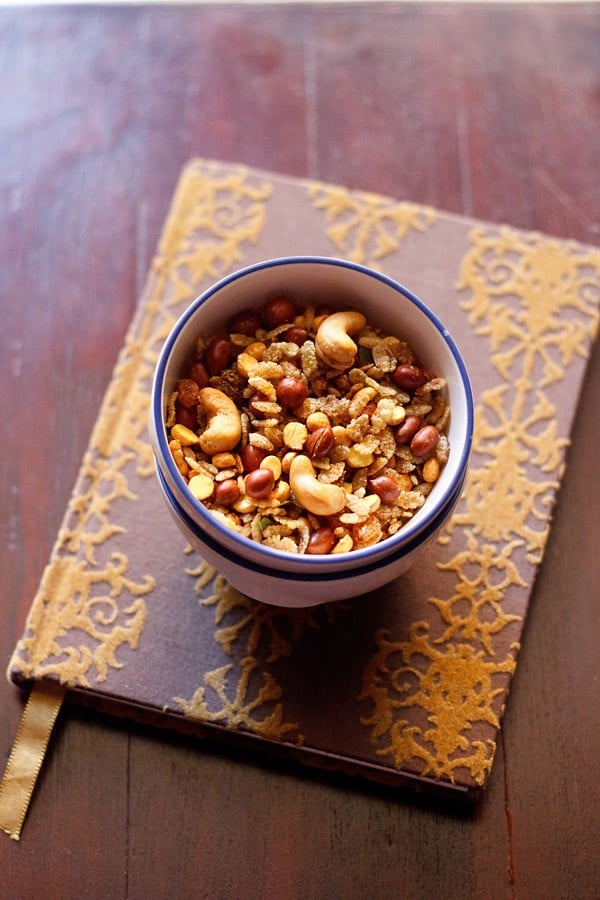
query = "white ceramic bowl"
{"x": 288, "y": 579}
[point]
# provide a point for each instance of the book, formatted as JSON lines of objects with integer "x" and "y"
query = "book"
{"x": 406, "y": 685}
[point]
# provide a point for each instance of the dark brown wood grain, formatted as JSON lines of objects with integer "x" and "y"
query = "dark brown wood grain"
{"x": 492, "y": 111}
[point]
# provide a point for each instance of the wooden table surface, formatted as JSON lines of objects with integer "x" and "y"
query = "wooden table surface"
{"x": 492, "y": 111}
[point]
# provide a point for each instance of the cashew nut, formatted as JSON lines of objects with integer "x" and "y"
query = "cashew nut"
{"x": 360, "y": 400}
{"x": 224, "y": 425}
{"x": 317, "y": 497}
{"x": 333, "y": 343}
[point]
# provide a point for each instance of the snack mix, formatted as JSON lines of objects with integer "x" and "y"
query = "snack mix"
{"x": 308, "y": 430}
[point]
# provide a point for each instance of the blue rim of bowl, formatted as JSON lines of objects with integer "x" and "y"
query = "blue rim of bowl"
{"x": 259, "y": 569}
{"x": 271, "y": 555}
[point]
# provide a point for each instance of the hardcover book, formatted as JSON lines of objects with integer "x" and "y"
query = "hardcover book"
{"x": 407, "y": 684}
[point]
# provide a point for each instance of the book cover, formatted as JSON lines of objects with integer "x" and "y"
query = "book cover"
{"x": 404, "y": 685}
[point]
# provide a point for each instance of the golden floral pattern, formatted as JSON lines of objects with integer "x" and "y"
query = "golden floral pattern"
{"x": 265, "y": 632}
{"x": 278, "y": 629}
{"x": 536, "y": 299}
{"x": 474, "y": 611}
{"x": 365, "y": 227}
{"x": 454, "y": 690}
{"x": 521, "y": 287}
{"x": 214, "y": 214}
{"x": 532, "y": 283}
{"x": 66, "y": 606}
{"x": 238, "y": 712}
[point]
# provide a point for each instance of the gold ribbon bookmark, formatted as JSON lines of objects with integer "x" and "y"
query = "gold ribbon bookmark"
{"x": 27, "y": 756}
